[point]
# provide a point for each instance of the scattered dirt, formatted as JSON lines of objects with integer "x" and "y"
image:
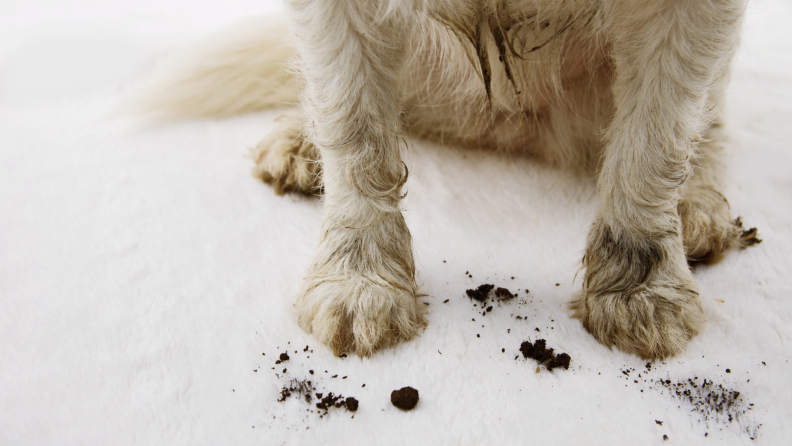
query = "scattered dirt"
{"x": 337, "y": 401}
{"x": 297, "y": 387}
{"x": 543, "y": 355}
{"x": 305, "y": 389}
{"x": 711, "y": 403}
{"x": 405, "y": 398}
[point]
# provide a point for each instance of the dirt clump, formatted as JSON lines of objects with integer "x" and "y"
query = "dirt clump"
{"x": 504, "y": 294}
{"x": 480, "y": 294}
{"x": 405, "y": 398}
{"x": 338, "y": 401}
{"x": 538, "y": 351}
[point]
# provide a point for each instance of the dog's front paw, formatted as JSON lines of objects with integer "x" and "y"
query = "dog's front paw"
{"x": 360, "y": 293}
{"x": 357, "y": 314}
{"x": 286, "y": 160}
{"x": 638, "y": 294}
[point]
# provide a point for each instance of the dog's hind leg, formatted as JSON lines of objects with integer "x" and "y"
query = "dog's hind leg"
{"x": 359, "y": 293}
{"x": 638, "y": 293}
{"x": 708, "y": 227}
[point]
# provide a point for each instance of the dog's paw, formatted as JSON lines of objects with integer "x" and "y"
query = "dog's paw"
{"x": 638, "y": 295}
{"x": 360, "y": 293}
{"x": 286, "y": 160}
{"x": 357, "y": 314}
{"x": 707, "y": 226}
{"x": 653, "y": 322}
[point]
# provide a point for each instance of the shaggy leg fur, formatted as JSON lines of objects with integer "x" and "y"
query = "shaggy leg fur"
{"x": 359, "y": 293}
{"x": 286, "y": 160}
{"x": 638, "y": 293}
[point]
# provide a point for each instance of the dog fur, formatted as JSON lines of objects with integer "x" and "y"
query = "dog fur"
{"x": 630, "y": 88}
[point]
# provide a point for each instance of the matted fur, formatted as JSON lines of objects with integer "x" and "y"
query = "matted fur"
{"x": 629, "y": 87}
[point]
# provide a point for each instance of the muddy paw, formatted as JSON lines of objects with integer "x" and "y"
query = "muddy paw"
{"x": 287, "y": 161}
{"x": 357, "y": 314}
{"x": 360, "y": 293}
{"x": 652, "y": 322}
{"x": 638, "y": 294}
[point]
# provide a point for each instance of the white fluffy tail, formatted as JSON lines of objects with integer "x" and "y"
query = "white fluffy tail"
{"x": 240, "y": 70}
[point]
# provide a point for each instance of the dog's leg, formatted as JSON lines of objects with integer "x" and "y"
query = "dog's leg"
{"x": 638, "y": 293}
{"x": 708, "y": 227}
{"x": 359, "y": 292}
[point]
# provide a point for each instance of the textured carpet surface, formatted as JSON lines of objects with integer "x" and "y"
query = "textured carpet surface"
{"x": 146, "y": 278}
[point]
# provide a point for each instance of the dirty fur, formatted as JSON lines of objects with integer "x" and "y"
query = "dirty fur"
{"x": 632, "y": 89}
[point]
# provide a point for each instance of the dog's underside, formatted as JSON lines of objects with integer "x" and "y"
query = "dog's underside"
{"x": 630, "y": 88}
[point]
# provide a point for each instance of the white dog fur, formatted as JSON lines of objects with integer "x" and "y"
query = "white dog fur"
{"x": 632, "y": 88}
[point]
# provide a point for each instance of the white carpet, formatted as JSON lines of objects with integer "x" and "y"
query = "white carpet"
{"x": 146, "y": 278}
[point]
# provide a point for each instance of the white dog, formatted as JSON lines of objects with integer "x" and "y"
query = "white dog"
{"x": 632, "y": 88}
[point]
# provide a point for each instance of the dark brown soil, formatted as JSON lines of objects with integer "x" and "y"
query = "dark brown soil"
{"x": 337, "y": 401}
{"x": 351, "y": 404}
{"x": 480, "y": 294}
{"x": 405, "y": 398}
{"x": 504, "y": 294}
{"x": 543, "y": 355}
{"x": 284, "y": 357}
{"x": 483, "y": 291}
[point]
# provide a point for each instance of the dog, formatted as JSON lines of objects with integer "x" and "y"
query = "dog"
{"x": 631, "y": 89}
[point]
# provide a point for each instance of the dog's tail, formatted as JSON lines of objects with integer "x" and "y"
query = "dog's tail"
{"x": 240, "y": 70}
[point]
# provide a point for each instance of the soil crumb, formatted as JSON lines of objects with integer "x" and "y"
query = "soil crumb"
{"x": 504, "y": 294}
{"x": 405, "y": 398}
{"x": 480, "y": 294}
{"x": 338, "y": 401}
{"x": 543, "y": 355}
{"x": 283, "y": 357}
{"x": 351, "y": 404}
